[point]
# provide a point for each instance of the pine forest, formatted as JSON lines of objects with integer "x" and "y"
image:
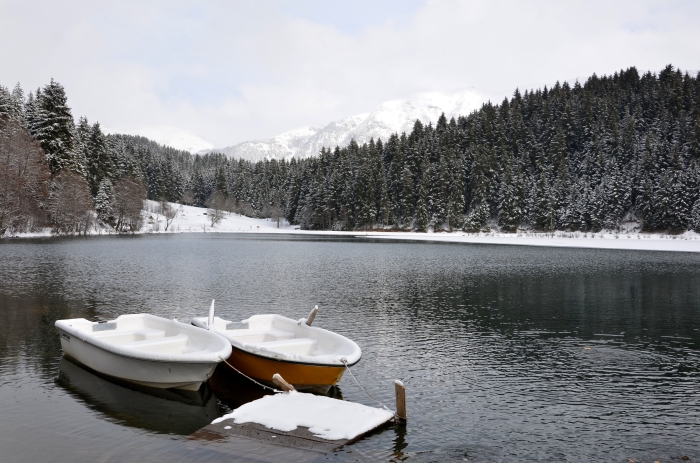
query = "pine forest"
{"x": 590, "y": 156}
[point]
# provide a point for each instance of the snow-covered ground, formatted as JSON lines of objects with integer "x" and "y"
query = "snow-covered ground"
{"x": 686, "y": 242}
{"x": 191, "y": 219}
{"x": 188, "y": 219}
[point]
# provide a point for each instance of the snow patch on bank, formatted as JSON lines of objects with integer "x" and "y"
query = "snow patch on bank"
{"x": 686, "y": 242}
{"x": 190, "y": 219}
{"x": 327, "y": 418}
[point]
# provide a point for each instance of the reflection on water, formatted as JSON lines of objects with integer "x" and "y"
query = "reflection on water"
{"x": 233, "y": 389}
{"x": 508, "y": 353}
{"x": 163, "y": 411}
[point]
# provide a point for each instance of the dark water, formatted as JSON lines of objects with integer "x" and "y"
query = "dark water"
{"x": 490, "y": 341}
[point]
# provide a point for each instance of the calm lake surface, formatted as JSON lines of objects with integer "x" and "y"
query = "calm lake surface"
{"x": 508, "y": 353}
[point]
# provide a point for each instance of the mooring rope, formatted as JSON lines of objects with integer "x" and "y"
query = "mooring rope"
{"x": 347, "y": 367}
{"x": 345, "y": 362}
{"x": 259, "y": 384}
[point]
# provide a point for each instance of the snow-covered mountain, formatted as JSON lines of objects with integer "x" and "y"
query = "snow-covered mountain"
{"x": 279, "y": 147}
{"x": 166, "y": 135}
{"x": 395, "y": 116}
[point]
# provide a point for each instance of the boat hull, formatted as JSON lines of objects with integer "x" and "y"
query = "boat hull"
{"x": 159, "y": 374}
{"x": 300, "y": 375}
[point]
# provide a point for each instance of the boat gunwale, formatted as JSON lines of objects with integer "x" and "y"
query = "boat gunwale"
{"x": 298, "y": 362}
{"x": 183, "y": 361}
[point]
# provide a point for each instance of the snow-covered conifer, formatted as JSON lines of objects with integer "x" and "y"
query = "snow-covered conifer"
{"x": 5, "y": 102}
{"x": 54, "y": 126}
{"x": 509, "y": 212}
{"x": 17, "y": 103}
{"x": 695, "y": 217}
{"x": 103, "y": 200}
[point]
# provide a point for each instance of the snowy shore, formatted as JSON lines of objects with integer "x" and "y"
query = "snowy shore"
{"x": 195, "y": 220}
{"x": 687, "y": 242}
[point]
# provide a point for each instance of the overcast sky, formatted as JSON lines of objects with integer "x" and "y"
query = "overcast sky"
{"x": 234, "y": 70}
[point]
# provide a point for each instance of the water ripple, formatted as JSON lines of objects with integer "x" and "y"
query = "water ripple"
{"x": 508, "y": 353}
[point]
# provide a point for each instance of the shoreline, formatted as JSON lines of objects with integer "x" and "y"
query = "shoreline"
{"x": 194, "y": 220}
{"x": 686, "y": 242}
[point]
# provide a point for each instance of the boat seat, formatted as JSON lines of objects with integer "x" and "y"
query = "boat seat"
{"x": 147, "y": 333}
{"x": 256, "y": 336}
{"x": 163, "y": 345}
{"x": 302, "y": 346}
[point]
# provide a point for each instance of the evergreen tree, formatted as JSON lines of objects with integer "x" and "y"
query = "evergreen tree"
{"x": 32, "y": 113}
{"x": 406, "y": 200}
{"x": 221, "y": 182}
{"x": 53, "y": 126}
{"x": 99, "y": 163}
{"x": 695, "y": 217}
{"x": 509, "y": 212}
{"x": 422, "y": 210}
{"x": 544, "y": 204}
{"x": 5, "y": 102}
{"x": 17, "y": 104}
{"x": 103, "y": 200}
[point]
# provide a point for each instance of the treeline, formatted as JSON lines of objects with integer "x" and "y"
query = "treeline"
{"x": 616, "y": 149}
{"x": 69, "y": 175}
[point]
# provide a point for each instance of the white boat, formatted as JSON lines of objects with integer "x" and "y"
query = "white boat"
{"x": 307, "y": 357}
{"x": 145, "y": 349}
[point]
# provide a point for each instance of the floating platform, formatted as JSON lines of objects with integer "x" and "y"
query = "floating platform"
{"x": 290, "y": 426}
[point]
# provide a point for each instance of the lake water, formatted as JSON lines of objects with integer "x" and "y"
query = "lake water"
{"x": 508, "y": 353}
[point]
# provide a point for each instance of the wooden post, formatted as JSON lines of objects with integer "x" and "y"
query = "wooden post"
{"x": 400, "y": 400}
{"x": 312, "y": 315}
{"x": 284, "y": 385}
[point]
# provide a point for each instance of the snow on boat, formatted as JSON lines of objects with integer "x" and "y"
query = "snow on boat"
{"x": 306, "y": 357}
{"x": 145, "y": 349}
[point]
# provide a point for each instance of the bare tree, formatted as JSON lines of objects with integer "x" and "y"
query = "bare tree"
{"x": 216, "y": 203}
{"x": 230, "y": 205}
{"x": 168, "y": 211}
{"x": 70, "y": 204}
{"x": 127, "y": 204}
{"x": 156, "y": 223}
{"x": 244, "y": 208}
{"x": 24, "y": 179}
{"x": 276, "y": 212}
{"x": 266, "y": 211}
{"x": 187, "y": 198}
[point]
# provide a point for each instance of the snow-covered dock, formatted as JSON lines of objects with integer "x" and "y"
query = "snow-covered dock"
{"x": 306, "y": 425}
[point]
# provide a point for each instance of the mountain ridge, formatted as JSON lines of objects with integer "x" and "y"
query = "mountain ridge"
{"x": 395, "y": 116}
{"x": 166, "y": 135}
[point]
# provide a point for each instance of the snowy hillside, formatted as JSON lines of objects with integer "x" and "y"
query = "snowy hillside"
{"x": 275, "y": 148}
{"x": 390, "y": 117}
{"x": 166, "y": 135}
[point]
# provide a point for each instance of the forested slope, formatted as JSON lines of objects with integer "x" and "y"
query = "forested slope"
{"x": 571, "y": 157}
{"x": 578, "y": 157}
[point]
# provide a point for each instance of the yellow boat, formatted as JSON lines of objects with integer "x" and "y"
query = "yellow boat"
{"x": 306, "y": 356}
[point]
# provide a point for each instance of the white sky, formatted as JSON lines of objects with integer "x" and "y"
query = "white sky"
{"x": 239, "y": 70}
